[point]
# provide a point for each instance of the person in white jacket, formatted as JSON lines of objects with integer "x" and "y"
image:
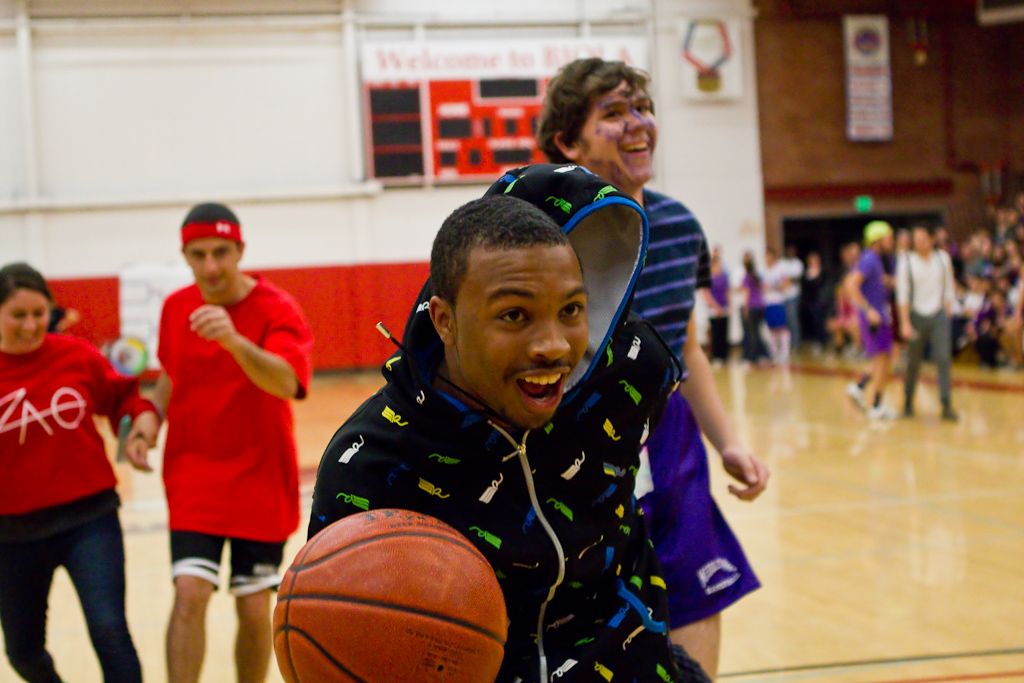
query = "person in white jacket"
{"x": 925, "y": 297}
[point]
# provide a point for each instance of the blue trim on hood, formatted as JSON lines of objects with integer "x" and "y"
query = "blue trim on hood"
{"x": 644, "y": 234}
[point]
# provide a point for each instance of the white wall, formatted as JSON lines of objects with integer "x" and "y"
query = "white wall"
{"x": 12, "y": 170}
{"x": 168, "y": 112}
{"x": 137, "y": 119}
{"x": 710, "y": 153}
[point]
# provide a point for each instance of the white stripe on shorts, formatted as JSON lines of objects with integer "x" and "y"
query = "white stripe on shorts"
{"x": 248, "y": 585}
{"x": 196, "y": 566}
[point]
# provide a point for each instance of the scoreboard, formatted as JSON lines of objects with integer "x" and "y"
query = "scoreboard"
{"x": 463, "y": 112}
{"x": 475, "y": 129}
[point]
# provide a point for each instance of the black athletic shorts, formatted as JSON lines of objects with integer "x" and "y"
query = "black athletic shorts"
{"x": 255, "y": 565}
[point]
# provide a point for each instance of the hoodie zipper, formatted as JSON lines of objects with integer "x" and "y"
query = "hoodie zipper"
{"x": 525, "y": 464}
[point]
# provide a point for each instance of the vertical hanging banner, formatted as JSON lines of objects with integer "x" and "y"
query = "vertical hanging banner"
{"x": 711, "y": 53}
{"x": 868, "y": 78}
{"x": 464, "y": 111}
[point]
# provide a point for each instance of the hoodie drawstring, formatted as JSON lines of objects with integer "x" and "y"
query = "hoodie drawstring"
{"x": 528, "y": 475}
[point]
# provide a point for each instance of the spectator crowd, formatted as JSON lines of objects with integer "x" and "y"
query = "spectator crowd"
{"x": 789, "y": 299}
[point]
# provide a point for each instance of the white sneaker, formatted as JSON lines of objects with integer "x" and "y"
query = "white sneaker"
{"x": 854, "y": 391}
{"x": 881, "y": 412}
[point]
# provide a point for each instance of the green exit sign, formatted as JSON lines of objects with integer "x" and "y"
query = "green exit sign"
{"x": 863, "y": 203}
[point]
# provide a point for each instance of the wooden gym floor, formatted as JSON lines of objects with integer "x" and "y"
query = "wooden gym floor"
{"x": 889, "y": 552}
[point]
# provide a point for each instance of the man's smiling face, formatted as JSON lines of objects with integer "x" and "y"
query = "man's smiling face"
{"x": 517, "y": 330}
{"x": 617, "y": 139}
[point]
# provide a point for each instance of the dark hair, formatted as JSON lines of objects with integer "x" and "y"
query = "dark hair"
{"x": 211, "y": 212}
{"x": 751, "y": 268}
{"x": 498, "y": 222}
{"x": 15, "y": 276}
{"x": 571, "y": 94}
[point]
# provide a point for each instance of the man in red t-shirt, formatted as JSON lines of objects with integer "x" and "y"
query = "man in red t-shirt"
{"x": 234, "y": 350}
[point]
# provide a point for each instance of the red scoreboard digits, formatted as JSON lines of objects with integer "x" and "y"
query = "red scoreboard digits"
{"x": 455, "y": 129}
{"x": 484, "y": 127}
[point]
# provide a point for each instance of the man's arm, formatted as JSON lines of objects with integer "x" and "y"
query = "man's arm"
{"x": 716, "y": 310}
{"x": 852, "y": 286}
{"x": 949, "y": 302}
{"x": 701, "y": 393}
{"x": 161, "y": 394}
{"x": 146, "y": 426}
{"x": 903, "y": 295}
{"x": 266, "y": 370}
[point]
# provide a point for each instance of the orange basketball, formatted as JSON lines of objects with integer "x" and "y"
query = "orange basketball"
{"x": 389, "y": 596}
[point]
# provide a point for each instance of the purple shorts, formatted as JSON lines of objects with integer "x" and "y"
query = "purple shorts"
{"x": 702, "y": 562}
{"x": 877, "y": 341}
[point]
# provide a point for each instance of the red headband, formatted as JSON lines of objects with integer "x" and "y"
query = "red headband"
{"x": 224, "y": 229}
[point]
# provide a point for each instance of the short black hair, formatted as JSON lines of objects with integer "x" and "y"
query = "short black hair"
{"x": 15, "y": 276}
{"x": 210, "y": 212}
{"x": 496, "y": 222}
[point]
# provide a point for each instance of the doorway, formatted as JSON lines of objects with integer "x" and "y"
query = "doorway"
{"x": 827, "y": 234}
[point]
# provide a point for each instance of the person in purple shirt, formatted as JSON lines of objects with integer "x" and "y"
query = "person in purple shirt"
{"x": 752, "y": 313}
{"x": 868, "y": 288}
{"x": 717, "y": 299}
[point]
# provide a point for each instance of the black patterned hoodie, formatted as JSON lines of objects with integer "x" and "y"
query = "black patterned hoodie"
{"x": 552, "y": 509}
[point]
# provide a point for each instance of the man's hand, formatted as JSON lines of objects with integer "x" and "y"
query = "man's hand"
{"x": 140, "y": 439}
{"x": 748, "y": 469}
{"x": 214, "y": 324}
{"x": 907, "y": 330}
{"x": 266, "y": 370}
{"x": 873, "y": 316}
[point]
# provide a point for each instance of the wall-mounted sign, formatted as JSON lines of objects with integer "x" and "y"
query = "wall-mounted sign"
{"x": 1000, "y": 11}
{"x": 711, "y": 54}
{"x": 464, "y": 110}
{"x": 868, "y": 78}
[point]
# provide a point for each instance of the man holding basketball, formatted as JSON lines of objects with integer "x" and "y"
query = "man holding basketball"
{"x": 515, "y": 411}
{"x": 234, "y": 350}
{"x": 600, "y": 115}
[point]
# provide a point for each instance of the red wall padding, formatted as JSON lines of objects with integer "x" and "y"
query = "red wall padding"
{"x": 97, "y": 300}
{"x": 342, "y": 303}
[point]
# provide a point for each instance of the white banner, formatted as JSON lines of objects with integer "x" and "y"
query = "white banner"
{"x": 409, "y": 61}
{"x": 143, "y": 288}
{"x": 868, "y": 78}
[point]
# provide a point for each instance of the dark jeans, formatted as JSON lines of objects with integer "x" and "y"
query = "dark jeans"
{"x": 754, "y": 348}
{"x": 93, "y": 555}
{"x": 719, "y": 338}
{"x": 792, "y": 307}
{"x": 812, "y": 322}
{"x": 987, "y": 345}
{"x": 933, "y": 329}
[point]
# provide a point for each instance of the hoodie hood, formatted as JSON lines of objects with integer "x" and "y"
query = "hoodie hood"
{"x": 608, "y": 231}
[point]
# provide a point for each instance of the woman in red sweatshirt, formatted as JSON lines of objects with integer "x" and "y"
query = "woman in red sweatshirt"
{"x": 58, "y": 505}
